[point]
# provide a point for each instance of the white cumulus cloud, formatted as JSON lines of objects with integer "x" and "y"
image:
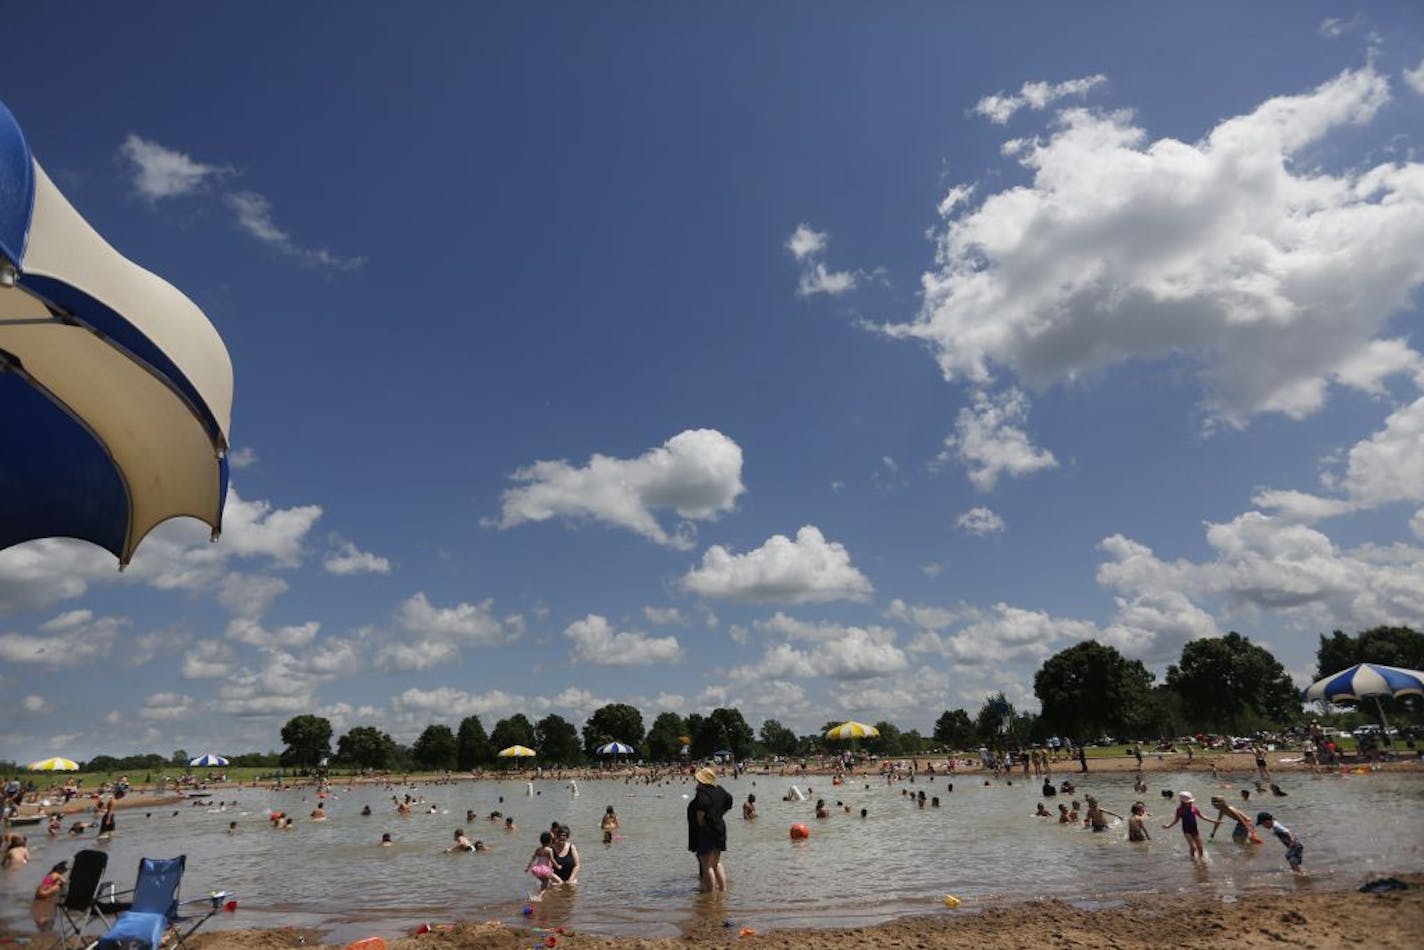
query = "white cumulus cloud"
{"x": 160, "y": 172}
{"x": 980, "y": 522}
{"x": 989, "y": 439}
{"x": 595, "y": 641}
{"x": 999, "y": 108}
{"x": 349, "y": 559}
{"x": 808, "y": 569}
{"x": 697, "y": 474}
{"x": 807, "y": 245}
{"x": 1223, "y": 250}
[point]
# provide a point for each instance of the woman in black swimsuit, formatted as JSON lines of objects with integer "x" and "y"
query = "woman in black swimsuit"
{"x": 566, "y": 857}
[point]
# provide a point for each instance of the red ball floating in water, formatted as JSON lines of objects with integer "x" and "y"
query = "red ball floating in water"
{"x": 800, "y": 832}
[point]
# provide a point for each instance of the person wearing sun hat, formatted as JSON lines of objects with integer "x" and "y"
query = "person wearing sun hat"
{"x": 1188, "y": 813}
{"x": 707, "y": 829}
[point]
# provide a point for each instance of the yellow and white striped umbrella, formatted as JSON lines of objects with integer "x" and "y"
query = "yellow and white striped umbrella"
{"x": 517, "y": 752}
{"x": 852, "y": 730}
{"x": 55, "y": 764}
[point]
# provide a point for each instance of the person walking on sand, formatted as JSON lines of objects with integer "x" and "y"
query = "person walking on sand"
{"x": 707, "y": 829}
{"x": 1188, "y": 813}
{"x": 1295, "y": 848}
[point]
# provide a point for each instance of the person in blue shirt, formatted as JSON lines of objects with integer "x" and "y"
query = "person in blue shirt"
{"x": 1295, "y": 848}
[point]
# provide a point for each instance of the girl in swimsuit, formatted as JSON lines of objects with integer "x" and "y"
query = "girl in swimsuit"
{"x": 1188, "y": 813}
{"x": 541, "y": 863}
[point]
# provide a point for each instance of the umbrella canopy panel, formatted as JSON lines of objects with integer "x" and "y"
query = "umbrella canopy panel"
{"x": 1364, "y": 680}
{"x": 517, "y": 752}
{"x": 208, "y": 760}
{"x": 852, "y": 730}
{"x": 55, "y": 764}
{"x": 115, "y": 390}
{"x": 616, "y": 748}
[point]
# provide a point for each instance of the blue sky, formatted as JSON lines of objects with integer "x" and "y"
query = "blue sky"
{"x": 825, "y": 360}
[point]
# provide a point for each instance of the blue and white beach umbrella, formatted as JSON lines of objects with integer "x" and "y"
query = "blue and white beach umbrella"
{"x": 615, "y": 748}
{"x": 1366, "y": 680}
{"x": 208, "y": 761}
{"x": 115, "y": 390}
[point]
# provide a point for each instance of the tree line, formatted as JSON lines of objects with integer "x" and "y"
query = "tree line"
{"x": 1086, "y": 692}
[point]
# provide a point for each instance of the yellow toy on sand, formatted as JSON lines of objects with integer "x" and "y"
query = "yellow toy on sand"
{"x": 951, "y": 901}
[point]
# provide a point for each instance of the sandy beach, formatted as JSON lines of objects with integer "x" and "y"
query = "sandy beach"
{"x": 1322, "y": 918}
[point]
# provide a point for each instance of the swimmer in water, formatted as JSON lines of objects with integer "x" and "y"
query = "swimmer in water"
{"x": 462, "y": 843}
{"x": 386, "y": 841}
{"x": 749, "y": 807}
{"x": 1137, "y": 824}
{"x": 1042, "y": 812}
{"x": 1095, "y": 816}
{"x": 1243, "y": 831}
{"x": 608, "y": 824}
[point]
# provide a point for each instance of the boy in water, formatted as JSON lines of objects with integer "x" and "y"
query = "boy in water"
{"x": 1295, "y": 848}
{"x": 1243, "y": 831}
{"x": 1137, "y": 824}
{"x": 1188, "y": 813}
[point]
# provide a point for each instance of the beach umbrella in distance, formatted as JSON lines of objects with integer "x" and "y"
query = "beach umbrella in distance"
{"x": 616, "y": 748}
{"x": 55, "y": 764}
{"x": 115, "y": 389}
{"x": 517, "y": 752}
{"x": 1366, "y": 681}
{"x": 852, "y": 730}
{"x": 208, "y": 760}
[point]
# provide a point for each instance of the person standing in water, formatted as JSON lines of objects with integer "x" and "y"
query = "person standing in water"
{"x": 608, "y": 825}
{"x": 707, "y": 829}
{"x": 1244, "y": 831}
{"x": 1188, "y": 813}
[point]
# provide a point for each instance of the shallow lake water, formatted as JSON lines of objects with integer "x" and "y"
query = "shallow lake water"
{"x": 981, "y": 845}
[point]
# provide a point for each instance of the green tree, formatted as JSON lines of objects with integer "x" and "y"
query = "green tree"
{"x": 308, "y": 741}
{"x": 1387, "y": 646}
{"x": 180, "y": 757}
{"x": 778, "y": 739}
{"x": 724, "y": 730}
{"x": 614, "y": 722}
{"x": 472, "y": 746}
{"x": 1224, "y": 680}
{"x": 1089, "y": 690}
{"x": 955, "y": 729}
{"x": 558, "y": 740}
{"x": 664, "y": 740}
{"x": 889, "y": 742}
{"x": 436, "y": 748}
{"x": 516, "y": 730}
{"x": 996, "y": 712}
{"x": 366, "y": 747}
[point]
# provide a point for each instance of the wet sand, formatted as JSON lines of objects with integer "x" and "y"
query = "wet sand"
{"x": 1309, "y": 918}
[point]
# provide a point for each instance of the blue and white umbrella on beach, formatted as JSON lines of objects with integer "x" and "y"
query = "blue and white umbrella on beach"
{"x": 208, "y": 760}
{"x": 1364, "y": 681}
{"x": 115, "y": 389}
{"x": 616, "y": 748}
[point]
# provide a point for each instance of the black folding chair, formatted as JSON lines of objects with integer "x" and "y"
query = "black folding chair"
{"x": 80, "y": 905}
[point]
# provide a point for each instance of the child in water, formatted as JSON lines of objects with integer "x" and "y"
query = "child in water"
{"x": 1188, "y": 813}
{"x": 541, "y": 863}
{"x": 1137, "y": 824}
{"x": 608, "y": 825}
{"x": 1295, "y": 848}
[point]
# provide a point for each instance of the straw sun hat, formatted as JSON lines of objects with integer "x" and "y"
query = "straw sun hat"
{"x": 705, "y": 776}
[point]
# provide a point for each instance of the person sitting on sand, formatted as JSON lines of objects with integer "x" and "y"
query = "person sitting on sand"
{"x": 462, "y": 843}
{"x": 1244, "y": 831}
{"x": 1137, "y": 824}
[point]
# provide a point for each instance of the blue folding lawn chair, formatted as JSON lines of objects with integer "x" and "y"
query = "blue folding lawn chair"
{"x": 156, "y": 908}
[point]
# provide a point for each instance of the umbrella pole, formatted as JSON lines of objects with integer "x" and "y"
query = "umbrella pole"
{"x": 1384, "y": 723}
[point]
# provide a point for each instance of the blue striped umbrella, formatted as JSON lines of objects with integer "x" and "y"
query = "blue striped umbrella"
{"x": 615, "y": 748}
{"x": 208, "y": 760}
{"x": 1366, "y": 680}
